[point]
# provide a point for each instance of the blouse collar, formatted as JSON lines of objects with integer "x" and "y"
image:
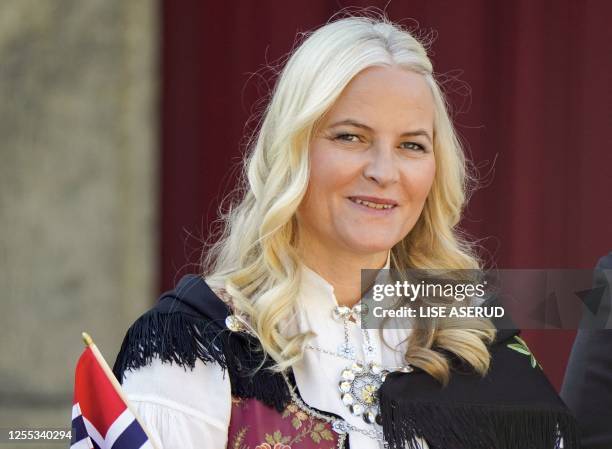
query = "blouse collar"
{"x": 314, "y": 286}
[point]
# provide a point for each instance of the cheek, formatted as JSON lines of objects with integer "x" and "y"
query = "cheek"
{"x": 417, "y": 179}
{"x": 330, "y": 171}
{"x": 320, "y": 182}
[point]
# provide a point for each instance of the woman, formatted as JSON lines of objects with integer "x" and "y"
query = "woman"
{"x": 356, "y": 165}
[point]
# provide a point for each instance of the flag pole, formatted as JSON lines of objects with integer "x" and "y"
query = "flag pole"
{"x": 113, "y": 380}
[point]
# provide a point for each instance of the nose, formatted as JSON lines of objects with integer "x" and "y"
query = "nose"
{"x": 381, "y": 166}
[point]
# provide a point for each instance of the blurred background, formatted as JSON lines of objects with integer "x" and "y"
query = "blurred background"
{"x": 123, "y": 122}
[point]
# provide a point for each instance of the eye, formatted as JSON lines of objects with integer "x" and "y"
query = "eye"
{"x": 346, "y": 137}
{"x": 413, "y": 146}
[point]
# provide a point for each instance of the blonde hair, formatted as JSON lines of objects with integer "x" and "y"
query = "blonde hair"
{"x": 254, "y": 260}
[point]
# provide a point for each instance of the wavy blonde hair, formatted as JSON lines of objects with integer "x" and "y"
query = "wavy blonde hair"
{"x": 254, "y": 260}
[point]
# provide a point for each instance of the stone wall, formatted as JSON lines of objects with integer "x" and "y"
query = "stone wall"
{"x": 78, "y": 191}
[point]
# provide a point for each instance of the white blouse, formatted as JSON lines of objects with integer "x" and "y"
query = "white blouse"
{"x": 183, "y": 408}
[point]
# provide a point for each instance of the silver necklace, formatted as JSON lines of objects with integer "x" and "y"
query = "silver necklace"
{"x": 340, "y": 426}
{"x": 359, "y": 381}
{"x": 236, "y": 324}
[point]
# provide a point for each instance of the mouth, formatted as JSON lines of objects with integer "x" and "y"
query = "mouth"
{"x": 374, "y": 203}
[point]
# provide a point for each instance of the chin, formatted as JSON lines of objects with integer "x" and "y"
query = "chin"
{"x": 367, "y": 245}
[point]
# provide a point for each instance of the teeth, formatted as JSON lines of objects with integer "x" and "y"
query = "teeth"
{"x": 372, "y": 205}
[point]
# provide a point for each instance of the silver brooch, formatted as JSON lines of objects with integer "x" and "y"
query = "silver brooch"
{"x": 359, "y": 384}
{"x": 234, "y": 323}
{"x": 347, "y": 313}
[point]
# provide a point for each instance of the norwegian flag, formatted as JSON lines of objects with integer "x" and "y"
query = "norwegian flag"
{"x": 101, "y": 419}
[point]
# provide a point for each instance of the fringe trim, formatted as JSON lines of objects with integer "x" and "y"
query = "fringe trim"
{"x": 472, "y": 426}
{"x": 181, "y": 338}
{"x": 244, "y": 355}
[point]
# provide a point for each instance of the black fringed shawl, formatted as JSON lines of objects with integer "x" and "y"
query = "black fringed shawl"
{"x": 512, "y": 407}
{"x": 188, "y": 323}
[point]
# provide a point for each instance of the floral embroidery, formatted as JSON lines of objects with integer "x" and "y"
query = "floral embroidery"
{"x": 236, "y": 400}
{"x": 290, "y": 429}
{"x": 239, "y": 439}
{"x": 275, "y": 441}
{"x": 276, "y": 446}
{"x": 300, "y": 420}
{"x": 521, "y": 347}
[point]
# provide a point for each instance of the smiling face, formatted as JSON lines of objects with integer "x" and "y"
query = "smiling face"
{"x": 372, "y": 164}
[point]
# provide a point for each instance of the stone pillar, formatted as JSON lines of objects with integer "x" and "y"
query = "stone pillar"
{"x": 78, "y": 191}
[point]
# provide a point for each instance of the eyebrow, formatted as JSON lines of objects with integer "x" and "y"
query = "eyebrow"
{"x": 355, "y": 123}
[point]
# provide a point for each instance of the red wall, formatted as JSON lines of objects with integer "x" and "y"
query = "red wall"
{"x": 540, "y": 107}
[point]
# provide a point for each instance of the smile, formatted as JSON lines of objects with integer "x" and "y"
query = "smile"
{"x": 371, "y": 204}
